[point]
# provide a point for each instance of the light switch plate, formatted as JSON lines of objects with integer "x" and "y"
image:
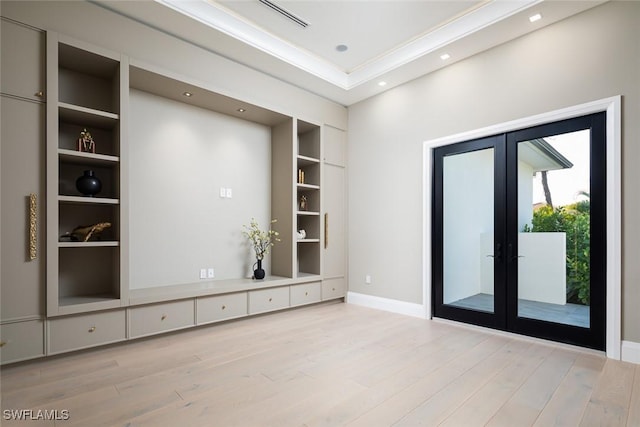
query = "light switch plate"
{"x": 229, "y": 193}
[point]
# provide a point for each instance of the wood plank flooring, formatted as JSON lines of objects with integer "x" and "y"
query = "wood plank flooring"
{"x": 327, "y": 365}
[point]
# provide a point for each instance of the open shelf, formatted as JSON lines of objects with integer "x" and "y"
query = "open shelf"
{"x": 86, "y": 116}
{"x": 305, "y": 160}
{"x": 88, "y": 200}
{"x": 308, "y": 186}
{"x": 86, "y": 299}
{"x": 308, "y": 198}
{"x": 88, "y": 244}
{"x": 84, "y": 276}
{"x": 89, "y": 159}
{"x": 308, "y": 213}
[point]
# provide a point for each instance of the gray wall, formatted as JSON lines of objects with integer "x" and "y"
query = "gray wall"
{"x": 588, "y": 57}
{"x": 180, "y": 156}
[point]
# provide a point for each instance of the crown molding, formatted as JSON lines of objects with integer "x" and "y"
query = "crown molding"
{"x": 224, "y": 20}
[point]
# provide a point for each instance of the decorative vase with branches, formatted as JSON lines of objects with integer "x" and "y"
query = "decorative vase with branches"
{"x": 261, "y": 241}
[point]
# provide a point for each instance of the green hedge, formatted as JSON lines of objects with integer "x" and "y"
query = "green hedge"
{"x": 573, "y": 220}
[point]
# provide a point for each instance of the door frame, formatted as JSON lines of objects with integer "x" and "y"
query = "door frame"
{"x": 612, "y": 106}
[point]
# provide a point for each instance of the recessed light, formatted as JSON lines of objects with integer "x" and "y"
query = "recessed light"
{"x": 445, "y": 56}
{"x": 534, "y": 18}
{"x": 382, "y": 83}
{"x": 342, "y": 48}
{"x": 188, "y": 94}
{"x": 241, "y": 110}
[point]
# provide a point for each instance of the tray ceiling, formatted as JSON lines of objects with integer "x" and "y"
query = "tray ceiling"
{"x": 344, "y": 50}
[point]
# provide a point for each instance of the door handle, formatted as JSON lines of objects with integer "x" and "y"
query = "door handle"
{"x": 326, "y": 230}
{"x": 498, "y": 253}
{"x": 33, "y": 226}
{"x": 513, "y": 257}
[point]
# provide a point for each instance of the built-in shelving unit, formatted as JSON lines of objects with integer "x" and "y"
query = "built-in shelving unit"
{"x": 308, "y": 197}
{"x": 85, "y": 93}
{"x": 89, "y": 301}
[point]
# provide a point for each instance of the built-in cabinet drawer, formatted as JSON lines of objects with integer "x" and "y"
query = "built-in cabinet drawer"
{"x": 306, "y": 293}
{"x": 221, "y": 307}
{"x": 157, "y": 318}
{"x": 21, "y": 340}
{"x": 87, "y": 330}
{"x": 270, "y": 299}
{"x": 333, "y": 288}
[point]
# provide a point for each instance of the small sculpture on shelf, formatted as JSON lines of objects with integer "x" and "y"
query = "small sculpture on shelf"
{"x": 303, "y": 203}
{"x": 84, "y": 233}
{"x": 86, "y": 143}
{"x": 301, "y": 234}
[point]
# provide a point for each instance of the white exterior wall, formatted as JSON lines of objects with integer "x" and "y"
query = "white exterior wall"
{"x": 468, "y": 214}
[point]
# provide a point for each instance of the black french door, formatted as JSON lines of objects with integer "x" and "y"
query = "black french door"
{"x": 519, "y": 231}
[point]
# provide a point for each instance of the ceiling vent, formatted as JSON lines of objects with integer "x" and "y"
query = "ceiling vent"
{"x": 290, "y": 16}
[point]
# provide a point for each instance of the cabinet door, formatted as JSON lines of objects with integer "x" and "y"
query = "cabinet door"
{"x": 87, "y": 330}
{"x": 221, "y": 307}
{"x": 334, "y": 257}
{"x": 163, "y": 317}
{"x": 22, "y": 58}
{"x": 22, "y": 173}
{"x": 335, "y": 146}
{"x": 305, "y": 293}
{"x": 333, "y": 288}
{"x": 21, "y": 341}
{"x": 271, "y": 299}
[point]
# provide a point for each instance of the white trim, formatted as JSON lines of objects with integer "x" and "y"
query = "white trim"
{"x": 386, "y": 304}
{"x": 631, "y": 352}
{"x": 228, "y": 22}
{"x": 614, "y": 199}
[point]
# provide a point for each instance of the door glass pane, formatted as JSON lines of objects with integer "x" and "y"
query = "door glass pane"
{"x": 468, "y": 193}
{"x": 554, "y": 228}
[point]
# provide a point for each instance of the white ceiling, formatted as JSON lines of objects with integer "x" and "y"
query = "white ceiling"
{"x": 392, "y": 41}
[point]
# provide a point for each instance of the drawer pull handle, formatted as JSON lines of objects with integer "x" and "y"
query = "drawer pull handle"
{"x": 164, "y": 316}
{"x": 92, "y": 329}
{"x": 224, "y": 307}
{"x": 33, "y": 226}
{"x": 306, "y": 293}
{"x": 39, "y": 94}
{"x": 269, "y": 299}
{"x": 333, "y": 289}
{"x": 2, "y": 343}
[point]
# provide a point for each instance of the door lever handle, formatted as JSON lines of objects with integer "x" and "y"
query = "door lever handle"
{"x": 513, "y": 257}
{"x": 498, "y": 253}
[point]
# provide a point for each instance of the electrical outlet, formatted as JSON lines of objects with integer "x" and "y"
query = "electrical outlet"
{"x": 203, "y": 273}
{"x": 223, "y": 192}
{"x": 210, "y": 273}
{"x": 367, "y": 279}
{"x": 229, "y": 193}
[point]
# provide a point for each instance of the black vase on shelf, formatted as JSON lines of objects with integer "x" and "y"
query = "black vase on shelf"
{"x": 88, "y": 184}
{"x": 258, "y": 273}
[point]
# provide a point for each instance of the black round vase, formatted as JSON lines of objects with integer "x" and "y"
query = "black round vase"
{"x": 259, "y": 273}
{"x": 88, "y": 184}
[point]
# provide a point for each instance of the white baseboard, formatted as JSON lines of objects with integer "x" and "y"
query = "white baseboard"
{"x": 630, "y": 352}
{"x": 386, "y": 304}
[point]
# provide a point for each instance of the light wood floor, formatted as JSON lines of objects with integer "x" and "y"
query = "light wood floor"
{"x": 329, "y": 365}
